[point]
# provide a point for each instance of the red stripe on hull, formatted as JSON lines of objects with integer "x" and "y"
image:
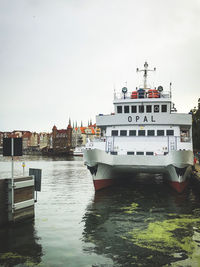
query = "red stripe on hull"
{"x": 179, "y": 187}
{"x": 99, "y": 184}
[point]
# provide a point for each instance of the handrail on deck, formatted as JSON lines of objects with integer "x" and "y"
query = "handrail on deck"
{"x": 164, "y": 94}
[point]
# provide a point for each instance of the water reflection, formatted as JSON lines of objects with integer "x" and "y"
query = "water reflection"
{"x": 144, "y": 224}
{"x": 19, "y": 244}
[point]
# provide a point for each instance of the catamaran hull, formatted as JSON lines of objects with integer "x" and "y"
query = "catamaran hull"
{"x": 106, "y": 169}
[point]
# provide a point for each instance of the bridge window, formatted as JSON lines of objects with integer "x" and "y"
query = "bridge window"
{"x": 126, "y": 109}
{"x": 139, "y": 153}
{"x": 156, "y": 108}
{"x": 134, "y": 109}
{"x": 148, "y": 108}
{"x": 132, "y": 133}
{"x": 141, "y": 132}
{"x": 164, "y": 108}
{"x": 160, "y": 132}
{"x": 114, "y": 133}
{"x": 150, "y": 132}
{"x": 130, "y": 153}
{"x": 123, "y": 133}
{"x": 170, "y": 132}
{"x": 119, "y": 109}
{"x": 141, "y": 109}
{"x": 149, "y": 153}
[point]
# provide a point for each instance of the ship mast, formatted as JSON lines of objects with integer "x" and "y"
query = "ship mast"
{"x": 145, "y": 70}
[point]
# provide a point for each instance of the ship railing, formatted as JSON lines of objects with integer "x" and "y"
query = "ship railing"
{"x": 118, "y": 96}
{"x": 167, "y": 143}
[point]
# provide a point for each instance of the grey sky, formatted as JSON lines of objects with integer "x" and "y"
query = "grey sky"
{"x": 61, "y": 59}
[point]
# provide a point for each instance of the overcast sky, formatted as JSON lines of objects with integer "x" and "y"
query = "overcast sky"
{"x": 63, "y": 58}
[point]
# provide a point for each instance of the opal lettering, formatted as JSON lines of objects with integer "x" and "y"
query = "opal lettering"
{"x": 141, "y": 119}
{"x": 129, "y": 119}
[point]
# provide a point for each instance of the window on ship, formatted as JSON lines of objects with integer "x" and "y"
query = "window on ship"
{"x": 119, "y": 109}
{"x": 130, "y": 153}
{"x": 139, "y": 153}
{"x": 126, "y": 109}
{"x": 164, "y": 108}
{"x": 123, "y": 133}
{"x": 148, "y": 108}
{"x": 113, "y": 152}
{"x": 141, "y": 132}
{"x": 132, "y": 133}
{"x": 160, "y": 132}
{"x": 150, "y": 132}
{"x": 114, "y": 133}
{"x": 141, "y": 109}
{"x": 134, "y": 109}
{"x": 170, "y": 132}
{"x": 156, "y": 108}
{"x": 149, "y": 153}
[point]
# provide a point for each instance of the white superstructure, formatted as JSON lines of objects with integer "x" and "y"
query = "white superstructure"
{"x": 144, "y": 134}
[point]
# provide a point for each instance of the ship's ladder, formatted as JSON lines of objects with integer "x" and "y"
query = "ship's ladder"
{"x": 109, "y": 146}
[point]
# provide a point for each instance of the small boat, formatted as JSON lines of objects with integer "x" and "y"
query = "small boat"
{"x": 78, "y": 151}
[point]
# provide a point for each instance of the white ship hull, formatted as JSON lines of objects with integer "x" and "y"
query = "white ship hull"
{"x": 106, "y": 169}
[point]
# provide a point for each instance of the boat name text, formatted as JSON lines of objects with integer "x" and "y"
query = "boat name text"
{"x": 140, "y": 119}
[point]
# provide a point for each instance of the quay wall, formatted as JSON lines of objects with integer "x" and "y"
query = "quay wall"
{"x": 3, "y": 202}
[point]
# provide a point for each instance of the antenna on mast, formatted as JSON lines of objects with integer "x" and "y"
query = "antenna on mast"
{"x": 145, "y": 70}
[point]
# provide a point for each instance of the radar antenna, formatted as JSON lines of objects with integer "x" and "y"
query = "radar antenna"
{"x": 145, "y": 70}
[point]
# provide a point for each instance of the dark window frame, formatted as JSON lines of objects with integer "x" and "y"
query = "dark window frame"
{"x": 164, "y": 108}
{"x": 168, "y": 132}
{"x": 123, "y": 131}
{"x": 141, "y": 153}
{"x": 154, "y": 108}
{"x": 114, "y": 134}
{"x": 141, "y": 131}
{"x": 118, "y": 109}
{"x": 141, "y": 109}
{"x": 150, "y": 107}
{"x": 130, "y": 153}
{"x": 133, "y": 109}
{"x": 126, "y": 109}
{"x": 132, "y": 131}
{"x": 149, "y": 132}
{"x": 159, "y": 131}
{"x": 148, "y": 153}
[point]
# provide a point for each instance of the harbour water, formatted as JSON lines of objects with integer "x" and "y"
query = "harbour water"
{"x": 142, "y": 223}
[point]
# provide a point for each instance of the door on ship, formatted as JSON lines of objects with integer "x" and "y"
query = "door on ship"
{"x": 172, "y": 143}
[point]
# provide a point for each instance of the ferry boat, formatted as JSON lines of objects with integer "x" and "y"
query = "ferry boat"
{"x": 145, "y": 134}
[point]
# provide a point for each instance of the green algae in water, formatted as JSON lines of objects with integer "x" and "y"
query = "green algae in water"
{"x": 10, "y": 255}
{"x": 130, "y": 209}
{"x": 160, "y": 235}
{"x": 14, "y": 258}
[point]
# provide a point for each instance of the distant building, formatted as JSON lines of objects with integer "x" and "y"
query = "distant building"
{"x": 45, "y": 141}
{"x": 1, "y": 138}
{"x": 26, "y": 140}
{"x": 80, "y": 135}
{"x": 62, "y": 139}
